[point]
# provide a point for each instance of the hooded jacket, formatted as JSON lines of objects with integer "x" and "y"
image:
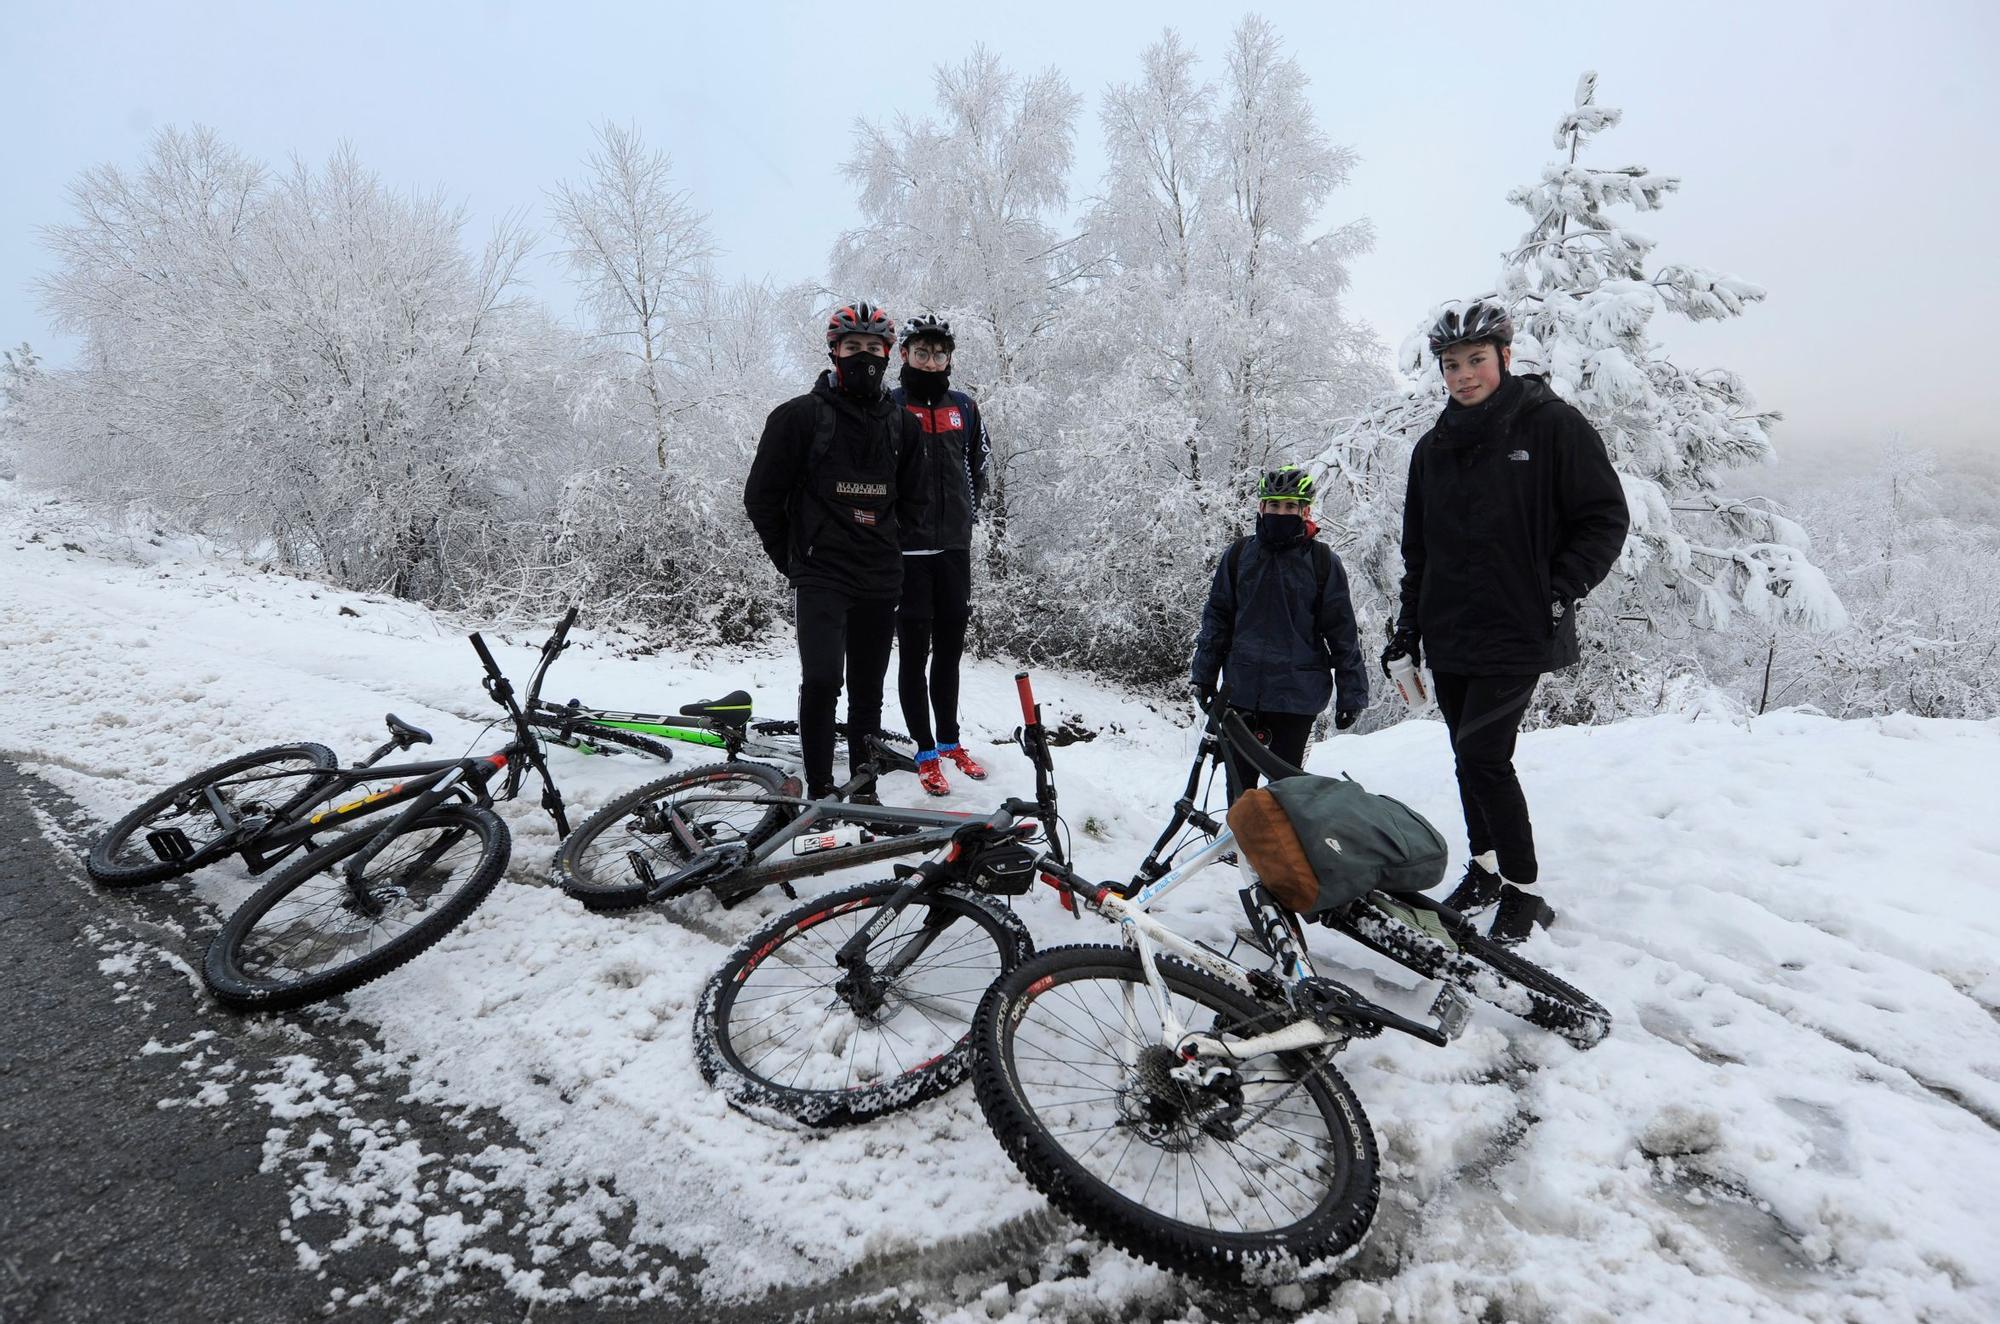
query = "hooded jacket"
{"x": 1509, "y": 509}
{"x": 1279, "y": 636}
{"x": 835, "y": 522}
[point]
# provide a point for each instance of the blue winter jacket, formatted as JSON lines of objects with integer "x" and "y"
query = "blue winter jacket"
{"x": 1286, "y": 642}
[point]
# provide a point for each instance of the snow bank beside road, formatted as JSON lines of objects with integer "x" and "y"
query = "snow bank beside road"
{"x": 1793, "y": 920}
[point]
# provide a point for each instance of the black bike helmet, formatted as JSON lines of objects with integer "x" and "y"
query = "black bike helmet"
{"x": 1290, "y": 483}
{"x": 1477, "y": 321}
{"x": 928, "y": 326}
{"x": 860, "y": 319}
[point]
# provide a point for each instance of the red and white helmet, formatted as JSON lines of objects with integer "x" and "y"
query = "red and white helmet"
{"x": 861, "y": 319}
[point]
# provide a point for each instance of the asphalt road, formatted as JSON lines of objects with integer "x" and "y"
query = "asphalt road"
{"x": 145, "y": 1172}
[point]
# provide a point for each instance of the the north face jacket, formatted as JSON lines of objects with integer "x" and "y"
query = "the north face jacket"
{"x": 1513, "y": 505}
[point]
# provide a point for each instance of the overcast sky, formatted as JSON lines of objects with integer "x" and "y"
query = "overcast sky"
{"x": 1843, "y": 155}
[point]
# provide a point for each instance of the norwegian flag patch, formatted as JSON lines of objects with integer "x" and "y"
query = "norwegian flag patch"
{"x": 863, "y": 516}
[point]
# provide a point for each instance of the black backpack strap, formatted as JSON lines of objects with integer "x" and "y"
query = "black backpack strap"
{"x": 822, "y": 442}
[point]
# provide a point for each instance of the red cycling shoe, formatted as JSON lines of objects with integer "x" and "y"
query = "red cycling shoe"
{"x": 967, "y": 764}
{"x": 930, "y": 775}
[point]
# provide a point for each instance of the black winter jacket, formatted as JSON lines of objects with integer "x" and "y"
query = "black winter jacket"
{"x": 955, "y": 460}
{"x": 1284, "y": 640}
{"x": 1509, "y": 511}
{"x": 837, "y": 524}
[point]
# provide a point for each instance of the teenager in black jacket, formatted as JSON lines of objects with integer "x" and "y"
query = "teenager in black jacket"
{"x": 838, "y": 474}
{"x": 1513, "y": 515}
{"x": 937, "y": 551}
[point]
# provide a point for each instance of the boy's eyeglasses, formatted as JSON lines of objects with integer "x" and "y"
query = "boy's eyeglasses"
{"x": 925, "y": 354}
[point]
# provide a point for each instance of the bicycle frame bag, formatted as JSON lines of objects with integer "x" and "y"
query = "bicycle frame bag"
{"x": 1317, "y": 843}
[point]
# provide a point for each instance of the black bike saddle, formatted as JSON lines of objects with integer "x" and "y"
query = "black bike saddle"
{"x": 405, "y": 734}
{"x": 733, "y": 707}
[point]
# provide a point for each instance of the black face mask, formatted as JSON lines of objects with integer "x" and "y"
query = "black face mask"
{"x": 859, "y": 376}
{"x": 1280, "y": 530}
{"x": 923, "y": 383}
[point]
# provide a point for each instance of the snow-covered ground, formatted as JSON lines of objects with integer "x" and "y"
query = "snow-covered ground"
{"x": 1794, "y": 920}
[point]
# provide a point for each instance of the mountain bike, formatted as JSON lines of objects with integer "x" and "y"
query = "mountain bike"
{"x": 355, "y": 905}
{"x": 862, "y": 1002}
{"x": 1188, "y": 1108}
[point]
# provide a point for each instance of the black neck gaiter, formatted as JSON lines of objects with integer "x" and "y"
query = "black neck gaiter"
{"x": 925, "y": 386}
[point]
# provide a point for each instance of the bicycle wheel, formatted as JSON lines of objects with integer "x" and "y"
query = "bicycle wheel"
{"x": 272, "y": 781}
{"x": 1480, "y": 966}
{"x": 1253, "y": 1176}
{"x": 595, "y": 864}
{"x": 303, "y": 937}
{"x": 782, "y": 1027}
{"x": 588, "y": 738}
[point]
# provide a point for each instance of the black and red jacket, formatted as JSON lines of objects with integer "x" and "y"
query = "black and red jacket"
{"x": 956, "y": 455}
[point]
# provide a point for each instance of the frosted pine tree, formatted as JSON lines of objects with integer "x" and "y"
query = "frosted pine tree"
{"x": 1584, "y": 291}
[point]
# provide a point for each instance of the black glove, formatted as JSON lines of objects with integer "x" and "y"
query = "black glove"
{"x": 1346, "y": 717}
{"x": 1204, "y": 693}
{"x": 1403, "y": 643}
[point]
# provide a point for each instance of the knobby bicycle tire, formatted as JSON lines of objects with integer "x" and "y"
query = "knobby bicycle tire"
{"x": 1043, "y": 1124}
{"x": 592, "y": 864}
{"x": 774, "y": 1034}
{"x": 1490, "y": 972}
{"x": 573, "y": 733}
{"x": 322, "y": 913}
{"x": 107, "y": 869}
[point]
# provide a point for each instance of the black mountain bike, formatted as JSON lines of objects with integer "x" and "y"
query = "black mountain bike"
{"x": 862, "y": 1002}
{"x": 355, "y": 905}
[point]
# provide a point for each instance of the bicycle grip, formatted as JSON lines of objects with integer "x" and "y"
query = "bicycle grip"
{"x": 1027, "y": 691}
{"x": 569, "y": 619}
{"x": 479, "y": 646}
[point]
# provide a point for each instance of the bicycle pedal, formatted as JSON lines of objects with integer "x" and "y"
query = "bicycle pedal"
{"x": 1451, "y": 1010}
{"x": 170, "y": 844}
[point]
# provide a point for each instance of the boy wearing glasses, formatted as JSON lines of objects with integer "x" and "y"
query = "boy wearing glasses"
{"x": 937, "y": 551}
{"x": 838, "y": 475}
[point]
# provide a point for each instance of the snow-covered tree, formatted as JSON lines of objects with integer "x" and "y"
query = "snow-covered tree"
{"x": 20, "y": 371}
{"x": 1208, "y": 342}
{"x": 638, "y": 248}
{"x": 1584, "y": 291}
{"x": 308, "y": 361}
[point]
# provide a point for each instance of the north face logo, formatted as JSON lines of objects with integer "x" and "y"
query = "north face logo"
{"x": 1517, "y": 455}
{"x": 1333, "y": 843}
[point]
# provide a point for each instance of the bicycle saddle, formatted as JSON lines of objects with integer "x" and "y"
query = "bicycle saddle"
{"x": 733, "y": 707}
{"x": 405, "y": 734}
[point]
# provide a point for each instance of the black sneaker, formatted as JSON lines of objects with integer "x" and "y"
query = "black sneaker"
{"x": 865, "y": 798}
{"x": 1520, "y": 913}
{"x": 1477, "y": 892}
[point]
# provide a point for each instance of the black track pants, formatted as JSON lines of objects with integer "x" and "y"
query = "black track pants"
{"x": 930, "y": 639}
{"x": 1483, "y": 714}
{"x": 941, "y": 644}
{"x": 837, "y": 632}
{"x": 1284, "y": 734}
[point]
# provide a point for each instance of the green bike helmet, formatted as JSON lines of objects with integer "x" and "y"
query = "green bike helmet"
{"x": 1289, "y": 483}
